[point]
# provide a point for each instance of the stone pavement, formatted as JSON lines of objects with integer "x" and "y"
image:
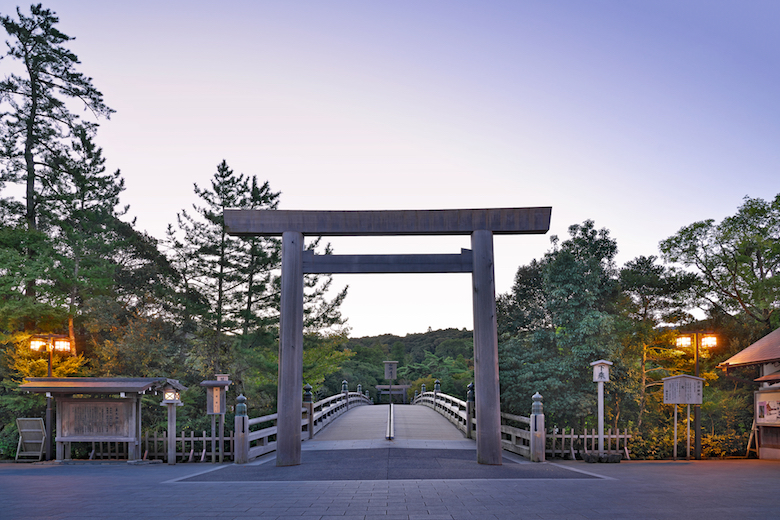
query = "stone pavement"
{"x": 711, "y": 490}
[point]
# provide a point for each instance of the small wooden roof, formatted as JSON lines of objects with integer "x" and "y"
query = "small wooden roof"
{"x": 771, "y": 378}
{"x": 765, "y": 350}
{"x": 97, "y": 385}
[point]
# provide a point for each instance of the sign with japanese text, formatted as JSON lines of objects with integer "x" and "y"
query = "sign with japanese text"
{"x": 683, "y": 389}
{"x": 93, "y": 418}
{"x": 390, "y": 369}
{"x": 216, "y": 400}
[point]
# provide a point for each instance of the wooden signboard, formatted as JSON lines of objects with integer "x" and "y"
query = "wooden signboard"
{"x": 683, "y": 389}
{"x": 84, "y": 420}
{"x": 390, "y": 369}
{"x": 216, "y": 400}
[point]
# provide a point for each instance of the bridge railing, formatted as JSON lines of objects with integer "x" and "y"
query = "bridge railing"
{"x": 257, "y": 436}
{"x": 460, "y": 413}
{"x": 515, "y": 429}
{"x": 526, "y": 436}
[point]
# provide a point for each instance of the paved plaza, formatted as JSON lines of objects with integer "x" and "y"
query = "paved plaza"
{"x": 409, "y": 479}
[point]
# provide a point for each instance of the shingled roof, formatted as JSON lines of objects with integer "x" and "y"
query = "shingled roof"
{"x": 765, "y": 350}
{"x": 97, "y": 385}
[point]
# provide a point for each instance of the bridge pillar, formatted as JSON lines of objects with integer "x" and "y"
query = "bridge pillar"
{"x": 487, "y": 397}
{"x": 288, "y": 439}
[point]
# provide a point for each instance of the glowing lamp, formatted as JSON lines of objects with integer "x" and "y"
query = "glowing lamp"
{"x": 37, "y": 344}
{"x": 684, "y": 341}
{"x": 62, "y": 345}
{"x": 170, "y": 395}
{"x": 709, "y": 341}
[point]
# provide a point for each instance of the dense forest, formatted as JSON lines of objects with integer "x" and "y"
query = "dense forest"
{"x": 197, "y": 301}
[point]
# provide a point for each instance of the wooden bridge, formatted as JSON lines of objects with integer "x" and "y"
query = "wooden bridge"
{"x": 435, "y": 420}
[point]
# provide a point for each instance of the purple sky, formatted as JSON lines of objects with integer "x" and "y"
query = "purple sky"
{"x": 643, "y": 116}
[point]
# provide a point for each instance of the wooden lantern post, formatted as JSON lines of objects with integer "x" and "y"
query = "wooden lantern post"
{"x": 171, "y": 399}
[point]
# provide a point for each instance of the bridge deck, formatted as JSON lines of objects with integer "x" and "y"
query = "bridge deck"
{"x": 365, "y": 426}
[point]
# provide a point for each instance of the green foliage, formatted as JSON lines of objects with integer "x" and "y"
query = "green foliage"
{"x": 37, "y": 123}
{"x": 69, "y": 263}
{"x": 574, "y": 306}
{"x": 454, "y": 374}
{"x": 572, "y": 314}
{"x": 736, "y": 260}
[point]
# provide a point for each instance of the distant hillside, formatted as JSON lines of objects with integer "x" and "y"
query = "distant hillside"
{"x": 437, "y": 354}
{"x": 443, "y": 343}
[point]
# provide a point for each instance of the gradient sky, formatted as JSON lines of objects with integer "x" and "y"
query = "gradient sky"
{"x": 643, "y": 116}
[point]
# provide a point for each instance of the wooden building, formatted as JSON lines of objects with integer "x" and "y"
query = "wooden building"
{"x": 764, "y": 353}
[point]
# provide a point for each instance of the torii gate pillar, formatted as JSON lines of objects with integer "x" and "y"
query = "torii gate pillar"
{"x": 480, "y": 224}
{"x": 288, "y": 422}
{"x": 487, "y": 398}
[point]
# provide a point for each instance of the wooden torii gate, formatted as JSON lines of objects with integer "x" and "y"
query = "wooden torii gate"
{"x": 481, "y": 224}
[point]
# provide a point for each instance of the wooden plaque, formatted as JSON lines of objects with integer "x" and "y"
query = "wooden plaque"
{"x": 96, "y": 420}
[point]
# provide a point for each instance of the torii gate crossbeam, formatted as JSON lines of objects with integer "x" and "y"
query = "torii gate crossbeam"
{"x": 480, "y": 224}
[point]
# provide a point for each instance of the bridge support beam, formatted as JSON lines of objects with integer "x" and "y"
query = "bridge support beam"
{"x": 288, "y": 438}
{"x": 487, "y": 396}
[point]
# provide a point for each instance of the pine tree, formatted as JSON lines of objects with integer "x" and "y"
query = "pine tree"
{"x": 37, "y": 127}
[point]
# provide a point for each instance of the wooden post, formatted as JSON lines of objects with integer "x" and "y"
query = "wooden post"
{"x": 213, "y": 439}
{"x": 221, "y": 438}
{"x": 241, "y": 448}
{"x": 688, "y": 433}
{"x": 538, "y": 440}
{"x": 470, "y": 412}
{"x": 487, "y": 399}
{"x": 171, "y": 433}
{"x": 601, "y": 416}
{"x": 288, "y": 440}
{"x": 675, "y": 432}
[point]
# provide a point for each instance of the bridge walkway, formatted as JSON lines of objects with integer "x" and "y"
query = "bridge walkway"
{"x": 366, "y": 427}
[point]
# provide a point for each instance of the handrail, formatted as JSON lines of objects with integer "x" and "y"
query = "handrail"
{"x": 454, "y": 409}
{"x": 314, "y": 417}
{"x": 461, "y": 414}
{"x": 390, "y": 434}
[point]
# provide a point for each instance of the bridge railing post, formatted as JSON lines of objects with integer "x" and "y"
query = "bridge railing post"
{"x": 538, "y": 440}
{"x": 241, "y": 454}
{"x": 470, "y": 412}
{"x": 308, "y": 404}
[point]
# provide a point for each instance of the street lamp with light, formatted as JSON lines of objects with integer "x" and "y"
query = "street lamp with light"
{"x": 50, "y": 342}
{"x": 696, "y": 339}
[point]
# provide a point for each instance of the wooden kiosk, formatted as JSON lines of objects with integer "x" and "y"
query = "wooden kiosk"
{"x": 98, "y": 409}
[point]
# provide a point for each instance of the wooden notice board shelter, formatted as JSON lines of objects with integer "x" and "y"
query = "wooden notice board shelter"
{"x": 98, "y": 409}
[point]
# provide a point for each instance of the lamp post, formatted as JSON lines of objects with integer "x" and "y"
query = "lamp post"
{"x": 50, "y": 342}
{"x": 601, "y": 376}
{"x": 704, "y": 339}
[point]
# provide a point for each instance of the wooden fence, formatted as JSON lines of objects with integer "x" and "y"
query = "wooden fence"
{"x": 568, "y": 445}
{"x": 189, "y": 446}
